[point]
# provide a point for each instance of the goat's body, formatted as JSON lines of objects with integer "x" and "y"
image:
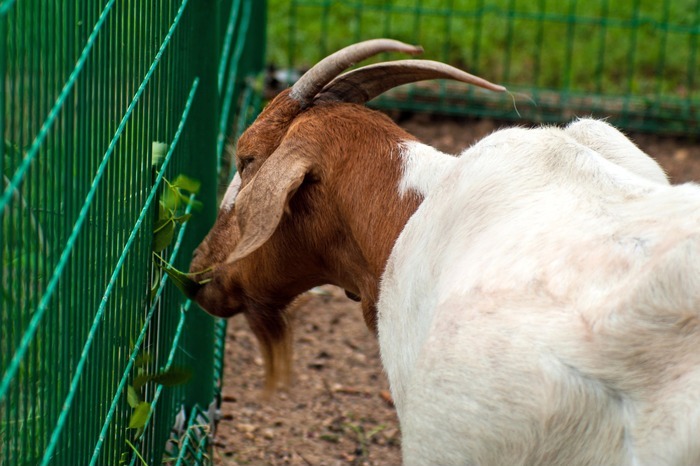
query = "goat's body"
{"x": 542, "y": 306}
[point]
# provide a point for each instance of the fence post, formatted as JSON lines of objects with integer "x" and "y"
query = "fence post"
{"x": 199, "y": 343}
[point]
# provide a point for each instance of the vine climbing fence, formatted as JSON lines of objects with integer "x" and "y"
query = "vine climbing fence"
{"x": 114, "y": 116}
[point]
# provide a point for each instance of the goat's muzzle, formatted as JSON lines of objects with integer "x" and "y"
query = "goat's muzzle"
{"x": 216, "y": 291}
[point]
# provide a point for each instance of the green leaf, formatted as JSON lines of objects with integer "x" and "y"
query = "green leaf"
{"x": 163, "y": 212}
{"x": 132, "y": 396}
{"x": 173, "y": 376}
{"x": 156, "y": 284}
{"x": 171, "y": 198}
{"x": 180, "y": 279}
{"x": 196, "y": 205}
{"x": 163, "y": 234}
{"x": 142, "y": 360}
{"x": 186, "y": 183}
{"x": 184, "y": 283}
{"x": 182, "y": 218}
{"x": 158, "y": 152}
{"x": 140, "y": 415}
{"x": 141, "y": 380}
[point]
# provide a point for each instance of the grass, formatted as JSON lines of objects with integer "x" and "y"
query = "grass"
{"x": 608, "y": 47}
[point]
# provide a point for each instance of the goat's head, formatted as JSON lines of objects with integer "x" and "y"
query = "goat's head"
{"x": 307, "y": 168}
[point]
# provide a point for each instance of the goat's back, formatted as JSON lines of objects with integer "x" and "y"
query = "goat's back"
{"x": 542, "y": 307}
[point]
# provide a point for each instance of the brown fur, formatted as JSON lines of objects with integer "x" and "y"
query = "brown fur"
{"x": 332, "y": 232}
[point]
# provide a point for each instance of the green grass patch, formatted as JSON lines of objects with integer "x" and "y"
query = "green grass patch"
{"x": 634, "y": 47}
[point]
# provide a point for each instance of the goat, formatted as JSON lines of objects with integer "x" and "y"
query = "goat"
{"x": 535, "y": 299}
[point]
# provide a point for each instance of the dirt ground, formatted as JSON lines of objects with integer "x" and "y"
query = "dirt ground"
{"x": 338, "y": 410}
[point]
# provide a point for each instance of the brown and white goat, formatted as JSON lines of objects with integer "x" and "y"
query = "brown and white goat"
{"x": 315, "y": 150}
{"x": 536, "y": 299}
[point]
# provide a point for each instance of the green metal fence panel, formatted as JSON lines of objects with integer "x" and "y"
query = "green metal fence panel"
{"x": 103, "y": 105}
{"x": 635, "y": 61}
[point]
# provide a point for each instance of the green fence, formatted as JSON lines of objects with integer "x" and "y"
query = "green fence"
{"x": 635, "y": 61}
{"x": 103, "y": 105}
{"x": 111, "y": 109}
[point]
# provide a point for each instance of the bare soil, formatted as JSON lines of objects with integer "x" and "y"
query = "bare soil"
{"x": 338, "y": 410}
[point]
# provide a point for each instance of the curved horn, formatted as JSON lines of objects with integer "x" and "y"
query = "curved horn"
{"x": 306, "y": 88}
{"x": 364, "y": 84}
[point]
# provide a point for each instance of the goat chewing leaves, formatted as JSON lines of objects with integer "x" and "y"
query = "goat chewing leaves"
{"x": 170, "y": 214}
{"x": 180, "y": 279}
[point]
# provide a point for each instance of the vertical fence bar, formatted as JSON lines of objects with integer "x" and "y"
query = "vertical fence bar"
{"x": 205, "y": 113}
{"x": 600, "y": 64}
{"x": 693, "y": 92}
{"x": 631, "y": 61}
{"x": 569, "y": 53}
{"x": 5, "y": 317}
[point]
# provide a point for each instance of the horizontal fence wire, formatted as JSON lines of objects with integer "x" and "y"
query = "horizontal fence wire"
{"x": 105, "y": 106}
{"x": 635, "y": 62}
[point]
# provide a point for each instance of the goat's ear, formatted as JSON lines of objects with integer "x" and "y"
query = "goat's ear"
{"x": 261, "y": 203}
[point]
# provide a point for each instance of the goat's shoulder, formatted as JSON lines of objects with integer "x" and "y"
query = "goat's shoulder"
{"x": 423, "y": 167}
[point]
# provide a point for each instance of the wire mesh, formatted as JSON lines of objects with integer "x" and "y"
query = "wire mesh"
{"x": 633, "y": 61}
{"x": 89, "y": 89}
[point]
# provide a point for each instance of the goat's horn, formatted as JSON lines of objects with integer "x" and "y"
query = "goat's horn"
{"x": 306, "y": 88}
{"x": 364, "y": 84}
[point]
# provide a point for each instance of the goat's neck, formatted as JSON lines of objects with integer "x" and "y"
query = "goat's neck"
{"x": 375, "y": 205}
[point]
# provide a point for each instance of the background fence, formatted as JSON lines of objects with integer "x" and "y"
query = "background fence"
{"x": 635, "y": 61}
{"x": 103, "y": 104}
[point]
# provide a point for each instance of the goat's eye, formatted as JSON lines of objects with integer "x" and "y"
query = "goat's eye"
{"x": 243, "y": 162}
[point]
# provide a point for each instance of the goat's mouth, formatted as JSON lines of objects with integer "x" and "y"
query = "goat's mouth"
{"x": 201, "y": 277}
{"x": 209, "y": 292}
{"x": 191, "y": 283}
{"x": 218, "y": 303}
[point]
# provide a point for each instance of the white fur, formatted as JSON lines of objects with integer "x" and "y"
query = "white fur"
{"x": 231, "y": 193}
{"x": 542, "y": 305}
{"x": 424, "y": 167}
{"x": 609, "y": 142}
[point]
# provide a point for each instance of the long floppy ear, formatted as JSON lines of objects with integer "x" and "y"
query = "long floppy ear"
{"x": 261, "y": 203}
